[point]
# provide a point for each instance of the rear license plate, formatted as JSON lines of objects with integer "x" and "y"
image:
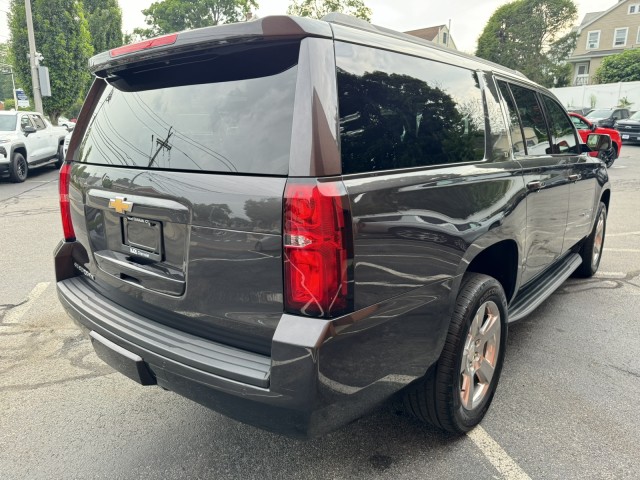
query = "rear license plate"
{"x": 142, "y": 237}
{"x": 122, "y": 360}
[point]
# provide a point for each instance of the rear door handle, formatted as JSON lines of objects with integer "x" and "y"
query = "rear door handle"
{"x": 535, "y": 186}
{"x": 575, "y": 177}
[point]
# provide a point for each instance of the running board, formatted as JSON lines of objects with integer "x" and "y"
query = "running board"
{"x": 533, "y": 295}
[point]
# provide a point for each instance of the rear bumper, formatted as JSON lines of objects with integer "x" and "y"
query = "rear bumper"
{"x": 320, "y": 375}
{"x": 276, "y": 393}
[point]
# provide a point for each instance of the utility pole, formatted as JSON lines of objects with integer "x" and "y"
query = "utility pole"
{"x": 33, "y": 60}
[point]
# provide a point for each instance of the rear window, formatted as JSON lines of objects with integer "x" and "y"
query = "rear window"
{"x": 221, "y": 113}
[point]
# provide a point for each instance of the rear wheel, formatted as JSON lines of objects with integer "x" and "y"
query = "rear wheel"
{"x": 457, "y": 392}
{"x": 591, "y": 251}
{"x": 18, "y": 169}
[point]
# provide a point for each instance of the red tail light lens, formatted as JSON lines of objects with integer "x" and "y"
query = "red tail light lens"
{"x": 65, "y": 205}
{"x": 144, "y": 45}
{"x": 315, "y": 248}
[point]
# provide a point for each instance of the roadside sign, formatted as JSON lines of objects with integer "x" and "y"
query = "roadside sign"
{"x": 23, "y": 100}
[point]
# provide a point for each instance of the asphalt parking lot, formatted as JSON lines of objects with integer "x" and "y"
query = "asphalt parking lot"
{"x": 566, "y": 407}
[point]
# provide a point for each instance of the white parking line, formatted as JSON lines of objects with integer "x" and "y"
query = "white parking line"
{"x": 507, "y": 467}
{"x": 16, "y": 313}
{"x": 622, "y": 234}
{"x": 628, "y": 250}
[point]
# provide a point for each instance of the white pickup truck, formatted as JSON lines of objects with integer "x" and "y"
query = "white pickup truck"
{"x": 27, "y": 141}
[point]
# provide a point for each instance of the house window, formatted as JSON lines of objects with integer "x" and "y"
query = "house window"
{"x": 444, "y": 38}
{"x": 634, "y": 8}
{"x": 593, "y": 40}
{"x": 583, "y": 69}
{"x": 620, "y": 37}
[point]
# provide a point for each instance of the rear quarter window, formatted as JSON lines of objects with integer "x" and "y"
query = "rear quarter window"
{"x": 399, "y": 111}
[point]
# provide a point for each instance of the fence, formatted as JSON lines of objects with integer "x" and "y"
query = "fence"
{"x": 600, "y": 96}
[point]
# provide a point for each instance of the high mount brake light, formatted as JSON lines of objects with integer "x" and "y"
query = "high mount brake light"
{"x": 144, "y": 45}
{"x": 315, "y": 248}
{"x": 65, "y": 205}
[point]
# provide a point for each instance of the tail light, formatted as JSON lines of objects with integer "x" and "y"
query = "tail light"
{"x": 144, "y": 45}
{"x": 317, "y": 242}
{"x": 65, "y": 205}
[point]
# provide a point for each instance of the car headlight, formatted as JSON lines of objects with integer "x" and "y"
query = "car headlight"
{"x": 6, "y": 140}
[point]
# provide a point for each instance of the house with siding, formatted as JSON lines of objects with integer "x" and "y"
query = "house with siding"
{"x": 602, "y": 34}
{"x": 439, "y": 35}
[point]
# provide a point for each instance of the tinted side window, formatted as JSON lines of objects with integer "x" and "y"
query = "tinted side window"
{"x": 499, "y": 143}
{"x": 580, "y": 125}
{"x": 398, "y": 111}
{"x": 39, "y": 123}
{"x": 24, "y": 122}
{"x": 562, "y": 131}
{"x": 517, "y": 138}
{"x": 534, "y": 126}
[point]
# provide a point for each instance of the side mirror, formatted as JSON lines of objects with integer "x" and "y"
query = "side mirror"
{"x": 599, "y": 142}
{"x": 27, "y": 129}
{"x": 593, "y": 127}
{"x": 70, "y": 127}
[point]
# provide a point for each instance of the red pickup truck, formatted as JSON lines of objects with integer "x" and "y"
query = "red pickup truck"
{"x": 585, "y": 127}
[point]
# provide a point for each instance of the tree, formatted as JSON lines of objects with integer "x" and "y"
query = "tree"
{"x": 168, "y": 16}
{"x": 6, "y": 86}
{"x": 62, "y": 37}
{"x": 319, "y": 8}
{"x": 105, "y": 23}
{"x": 623, "y": 67}
{"x": 527, "y": 35}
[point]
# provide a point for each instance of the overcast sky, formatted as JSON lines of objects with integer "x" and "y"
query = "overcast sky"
{"x": 468, "y": 17}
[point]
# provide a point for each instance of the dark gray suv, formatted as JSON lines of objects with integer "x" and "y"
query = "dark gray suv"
{"x": 291, "y": 220}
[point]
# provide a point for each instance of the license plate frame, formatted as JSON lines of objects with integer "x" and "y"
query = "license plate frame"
{"x": 142, "y": 237}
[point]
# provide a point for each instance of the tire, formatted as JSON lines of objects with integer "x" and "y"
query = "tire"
{"x": 610, "y": 156}
{"x": 477, "y": 333}
{"x": 60, "y": 156}
{"x": 18, "y": 168}
{"x": 591, "y": 250}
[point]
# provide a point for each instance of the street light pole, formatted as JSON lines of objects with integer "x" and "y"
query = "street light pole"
{"x": 33, "y": 60}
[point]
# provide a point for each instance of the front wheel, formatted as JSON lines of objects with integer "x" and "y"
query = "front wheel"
{"x": 59, "y": 157}
{"x": 591, "y": 250}
{"x": 457, "y": 392}
{"x": 18, "y": 169}
{"x": 609, "y": 156}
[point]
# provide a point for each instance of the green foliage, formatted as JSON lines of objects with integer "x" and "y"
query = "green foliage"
{"x": 105, "y": 23}
{"x": 319, "y": 8}
{"x": 62, "y": 37}
{"x": 168, "y": 16}
{"x": 624, "y": 102}
{"x": 6, "y": 87}
{"x": 526, "y": 35}
{"x": 623, "y": 67}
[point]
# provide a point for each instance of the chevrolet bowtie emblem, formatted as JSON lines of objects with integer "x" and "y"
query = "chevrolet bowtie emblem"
{"x": 120, "y": 204}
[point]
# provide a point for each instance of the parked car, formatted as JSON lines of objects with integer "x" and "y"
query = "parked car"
{"x": 629, "y": 129}
{"x": 67, "y": 140}
{"x": 586, "y": 127}
{"x": 218, "y": 203}
{"x": 28, "y": 141}
{"x": 607, "y": 117}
